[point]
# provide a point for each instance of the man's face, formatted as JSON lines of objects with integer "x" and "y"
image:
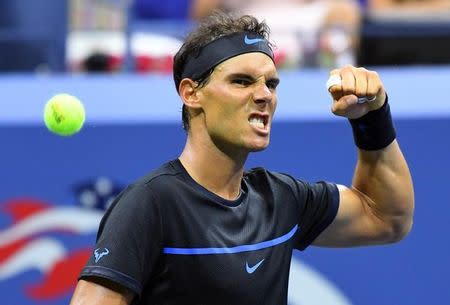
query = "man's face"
{"x": 239, "y": 102}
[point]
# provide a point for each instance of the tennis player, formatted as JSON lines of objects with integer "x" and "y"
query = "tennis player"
{"x": 202, "y": 230}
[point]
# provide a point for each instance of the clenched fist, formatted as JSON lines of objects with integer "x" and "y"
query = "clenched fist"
{"x": 355, "y": 91}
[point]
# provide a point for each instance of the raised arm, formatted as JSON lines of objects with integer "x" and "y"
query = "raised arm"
{"x": 378, "y": 207}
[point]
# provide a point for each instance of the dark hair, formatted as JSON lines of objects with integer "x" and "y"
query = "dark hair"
{"x": 217, "y": 25}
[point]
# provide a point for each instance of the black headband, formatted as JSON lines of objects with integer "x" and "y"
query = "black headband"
{"x": 222, "y": 49}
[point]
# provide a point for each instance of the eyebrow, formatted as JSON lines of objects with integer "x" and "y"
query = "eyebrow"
{"x": 274, "y": 80}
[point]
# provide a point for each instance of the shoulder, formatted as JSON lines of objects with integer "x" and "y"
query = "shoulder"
{"x": 167, "y": 171}
{"x": 146, "y": 189}
{"x": 259, "y": 177}
{"x": 260, "y": 174}
{"x": 158, "y": 180}
{"x": 262, "y": 178}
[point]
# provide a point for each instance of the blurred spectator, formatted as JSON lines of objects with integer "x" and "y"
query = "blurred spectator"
{"x": 156, "y": 29}
{"x": 85, "y": 50}
{"x": 430, "y": 10}
{"x": 406, "y": 32}
{"x": 428, "y": 5}
{"x": 308, "y": 32}
{"x": 96, "y": 41}
{"x": 99, "y": 62}
{"x": 363, "y": 3}
{"x": 174, "y": 9}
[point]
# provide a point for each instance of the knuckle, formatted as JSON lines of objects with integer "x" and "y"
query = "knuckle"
{"x": 334, "y": 71}
{"x": 348, "y": 89}
{"x": 347, "y": 69}
{"x": 360, "y": 92}
{"x": 374, "y": 90}
{"x": 374, "y": 74}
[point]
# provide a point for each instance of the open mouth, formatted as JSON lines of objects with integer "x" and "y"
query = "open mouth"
{"x": 258, "y": 121}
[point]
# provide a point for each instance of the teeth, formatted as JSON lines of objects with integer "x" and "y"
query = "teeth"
{"x": 257, "y": 122}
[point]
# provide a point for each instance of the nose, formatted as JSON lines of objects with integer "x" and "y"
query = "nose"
{"x": 262, "y": 93}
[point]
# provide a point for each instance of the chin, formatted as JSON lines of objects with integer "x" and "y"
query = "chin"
{"x": 259, "y": 147}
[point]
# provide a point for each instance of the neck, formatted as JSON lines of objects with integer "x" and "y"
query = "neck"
{"x": 215, "y": 170}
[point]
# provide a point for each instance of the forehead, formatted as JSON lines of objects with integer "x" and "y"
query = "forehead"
{"x": 255, "y": 63}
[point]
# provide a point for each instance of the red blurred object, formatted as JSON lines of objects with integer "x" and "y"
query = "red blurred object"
{"x": 279, "y": 57}
{"x": 146, "y": 63}
{"x": 114, "y": 63}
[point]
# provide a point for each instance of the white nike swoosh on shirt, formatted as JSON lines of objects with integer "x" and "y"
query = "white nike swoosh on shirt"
{"x": 250, "y": 270}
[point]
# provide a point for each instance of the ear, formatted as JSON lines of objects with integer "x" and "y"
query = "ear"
{"x": 189, "y": 93}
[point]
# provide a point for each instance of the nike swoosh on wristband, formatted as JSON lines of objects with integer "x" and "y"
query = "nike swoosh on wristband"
{"x": 250, "y": 270}
{"x": 252, "y": 40}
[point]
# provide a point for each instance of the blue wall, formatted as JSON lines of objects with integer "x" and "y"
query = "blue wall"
{"x": 125, "y": 144}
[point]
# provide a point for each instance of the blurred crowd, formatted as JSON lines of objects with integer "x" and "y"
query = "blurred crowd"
{"x": 306, "y": 33}
{"x": 143, "y": 35}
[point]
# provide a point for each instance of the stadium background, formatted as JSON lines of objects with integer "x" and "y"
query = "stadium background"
{"x": 54, "y": 190}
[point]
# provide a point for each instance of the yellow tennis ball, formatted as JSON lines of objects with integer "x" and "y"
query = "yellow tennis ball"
{"x": 64, "y": 114}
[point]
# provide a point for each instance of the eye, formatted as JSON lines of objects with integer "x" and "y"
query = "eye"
{"x": 272, "y": 84}
{"x": 241, "y": 81}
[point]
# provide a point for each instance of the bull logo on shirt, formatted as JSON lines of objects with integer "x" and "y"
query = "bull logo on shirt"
{"x": 99, "y": 255}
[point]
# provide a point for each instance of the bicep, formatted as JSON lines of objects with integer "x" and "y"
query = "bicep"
{"x": 97, "y": 291}
{"x": 356, "y": 222}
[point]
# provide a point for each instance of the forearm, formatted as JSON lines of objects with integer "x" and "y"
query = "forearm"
{"x": 384, "y": 177}
{"x": 378, "y": 207}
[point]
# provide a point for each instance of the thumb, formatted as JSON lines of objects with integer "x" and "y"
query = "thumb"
{"x": 348, "y": 107}
{"x": 343, "y": 102}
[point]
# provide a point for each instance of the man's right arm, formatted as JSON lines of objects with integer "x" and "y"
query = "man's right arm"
{"x": 99, "y": 291}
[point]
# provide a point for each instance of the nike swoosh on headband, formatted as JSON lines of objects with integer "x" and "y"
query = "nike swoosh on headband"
{"x": 252, "y": 40}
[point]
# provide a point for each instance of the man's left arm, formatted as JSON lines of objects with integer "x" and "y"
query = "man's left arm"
{"x": 378, "y": 207}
